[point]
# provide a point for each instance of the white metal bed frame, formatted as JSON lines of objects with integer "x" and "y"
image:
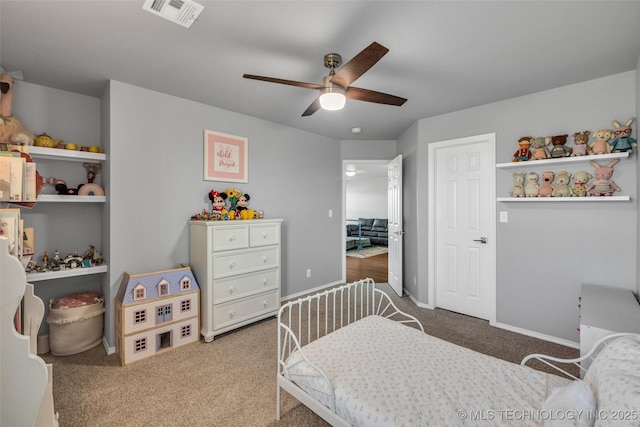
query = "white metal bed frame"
{"x": 327, "y": 311}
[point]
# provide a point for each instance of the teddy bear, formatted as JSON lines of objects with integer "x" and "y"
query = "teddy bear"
{"x": 532, "y": 188}
{"x": 518, "y": 185}
{"x": 601, "y": 144}
{"x": 562, "y": 188}
{"x": 622, "y": 141}
{"x": 540, "y": 150}
{"x": 603, "y": 186}
{"x": 580, "y": 140}
{"x": 523, "y": 154}
{"x": 559, "y": 150}
{"x": 546, "y": 188}
{"x": 580, "y": 180}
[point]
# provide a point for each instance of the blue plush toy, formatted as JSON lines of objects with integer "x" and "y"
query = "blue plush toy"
{"x": 623, "y": 141}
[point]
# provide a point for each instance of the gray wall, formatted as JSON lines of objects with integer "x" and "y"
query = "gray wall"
{"x": 546, "y": 251}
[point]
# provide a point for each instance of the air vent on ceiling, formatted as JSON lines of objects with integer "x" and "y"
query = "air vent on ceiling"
{"x": 182, "y": 12}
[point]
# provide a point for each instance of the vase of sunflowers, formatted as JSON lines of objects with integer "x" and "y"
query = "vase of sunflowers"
{"x": 232, "y": 196}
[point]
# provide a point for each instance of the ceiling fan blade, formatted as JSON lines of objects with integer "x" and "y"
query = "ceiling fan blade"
{"x": 373, "y": 96}
{"x": 315, "y": 106}
{"x": 283, "y": 81}
{"x": 359, "y": 64}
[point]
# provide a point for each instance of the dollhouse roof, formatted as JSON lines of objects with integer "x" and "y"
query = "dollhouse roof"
{"x": 150, "y": 282}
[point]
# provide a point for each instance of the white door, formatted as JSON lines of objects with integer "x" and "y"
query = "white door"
{"x": 463, "y": 205}
{"x": 394, "y": 206}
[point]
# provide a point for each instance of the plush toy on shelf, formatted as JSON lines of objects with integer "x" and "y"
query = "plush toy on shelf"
{"x": 580, "y": 141}
{"x": 546, "y": 188}
{"x": 601, "y": 144}
{"x": 532, "y": 188}
{"x": 518, "y": 185}
{"x": 523, "y": 154}
{"x": 580, "y": 180}
{"x": 559, "y": 150}
{"x": 562, "y": 188}
{"x": 603, "y": 185}
{"x": 11, "y": 130}
{"x": 540, "y": 151}
{"x": 218, "y": 200}
{"x": 242, "y": 207}
{"x": 622, "y": 141}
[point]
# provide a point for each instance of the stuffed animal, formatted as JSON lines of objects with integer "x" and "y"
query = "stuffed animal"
{"x": 546, "y": 188}
{"x": 218, "y": 200}
{"x": 601, "y": 144}
{"x": 518, "y": 185}
{"x": 523, "y": 154}
{"x": 559, "y": 150}
{"x": 242, "y": 207}
{"x": 532, "y": 188}
{"x": 622, "y": 141}
{"x": 540, "y": 150}
{"x": 562, "y": 188}
{"x": 580, "y": 140}
{"x": 603, "y": 186}
{"x": 11, "y": 130}
{"x": 580, "y": 180}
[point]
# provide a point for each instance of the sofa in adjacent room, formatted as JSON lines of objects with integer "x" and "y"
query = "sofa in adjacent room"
{"x": 375, "y": 229}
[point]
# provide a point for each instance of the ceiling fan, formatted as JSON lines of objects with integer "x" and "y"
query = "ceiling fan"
{"x": 336, "y": 87}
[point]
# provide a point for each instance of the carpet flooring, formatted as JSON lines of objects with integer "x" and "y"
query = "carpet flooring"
{"x": 232, "y": 380}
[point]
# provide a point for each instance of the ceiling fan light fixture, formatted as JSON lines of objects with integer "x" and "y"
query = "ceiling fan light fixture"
{"x": 333, "y": 99}
{"x": 350, "y": 173}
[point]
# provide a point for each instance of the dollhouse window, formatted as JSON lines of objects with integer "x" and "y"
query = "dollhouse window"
{"x": 163, "y": 288}
{"x": 140, "y": 292}
{"x": 140, "y": 316}
{"x": 185, "y": 305}
{"x": 185, "y": 331}
{"x": 163, "y": 314}
{"x": 185, "y": 284}
{"x": 140, "y": 345}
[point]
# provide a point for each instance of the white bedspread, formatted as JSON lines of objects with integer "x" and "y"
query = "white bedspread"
{"x": 387, "y": 374}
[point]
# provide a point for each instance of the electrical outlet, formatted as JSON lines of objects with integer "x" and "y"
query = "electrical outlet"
{"x": 308, "y": 273}
{"x": 330, "y": 213}
{"x": 504, "y": 216}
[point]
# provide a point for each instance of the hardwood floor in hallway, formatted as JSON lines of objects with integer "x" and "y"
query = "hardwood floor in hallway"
{"x": 374, "y": 267}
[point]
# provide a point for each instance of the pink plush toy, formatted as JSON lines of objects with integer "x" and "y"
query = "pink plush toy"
{"x": 602, "y": 185}
{"x": 546, "y": 188}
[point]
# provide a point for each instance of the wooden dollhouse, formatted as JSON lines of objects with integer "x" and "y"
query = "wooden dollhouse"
{"x": 155, "y": 312}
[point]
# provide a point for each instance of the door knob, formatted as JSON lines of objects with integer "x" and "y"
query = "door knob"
{"x": 481, "y": 240}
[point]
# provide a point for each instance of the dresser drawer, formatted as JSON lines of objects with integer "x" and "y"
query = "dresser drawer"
{"x": 225, "y": 290}
{"x": 230, "y": 237}
{"x": 245, "y": 309}
{"x": 264, "y": 234}
{"x": 240, "y": 262}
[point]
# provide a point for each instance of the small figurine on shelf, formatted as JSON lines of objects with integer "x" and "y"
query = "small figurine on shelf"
{"x": 546, "y": 188}
{"x": 532, "y": 188}
{"x": 559, "y": 150}
{"x": 562, "y": 188}
{"x": 523, "y": 154}
{"x": 540, "y": 151}
{"x": 580, "y": 180}
{"x": 218, "y": 200}
{"x": 580, "y": 140}
{"x": 601, "y": 144}
{"x": 603, "y": 186}
{"x": 518, "y": 185}
{"x": 623, "y": 141}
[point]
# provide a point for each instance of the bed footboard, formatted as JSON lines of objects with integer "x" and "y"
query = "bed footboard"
{"x": 310, "y": 318}
{"x": 560, "y": 365}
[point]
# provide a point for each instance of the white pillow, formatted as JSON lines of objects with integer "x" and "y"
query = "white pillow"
{"x": 614, "y": 377}
{"x": 571, "y": 405}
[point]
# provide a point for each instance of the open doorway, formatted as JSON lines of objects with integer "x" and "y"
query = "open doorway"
{"x": 366, "y": 242}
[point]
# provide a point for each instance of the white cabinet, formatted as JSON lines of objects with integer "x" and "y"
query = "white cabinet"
{"x": 237, "y": 266}
{"x": 606, "y": 310}
{"x": 550, "y": 164}
{"x": 51, "y": 221}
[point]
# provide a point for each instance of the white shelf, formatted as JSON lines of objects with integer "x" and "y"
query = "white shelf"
{"x": 536, "y": 163}
{"x": 67, "y": 155}
{"x": 69, "y": 272}
{"x": 566, "y": 199}
{"x": 70, "y": 199}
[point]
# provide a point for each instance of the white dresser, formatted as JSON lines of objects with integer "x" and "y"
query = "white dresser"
{"x": 237, "y": 266}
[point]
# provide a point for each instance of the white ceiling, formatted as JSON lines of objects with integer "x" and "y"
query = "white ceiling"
{"x": 444, "y": 55}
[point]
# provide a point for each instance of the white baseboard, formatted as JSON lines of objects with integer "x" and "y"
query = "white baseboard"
{"x": 416, "y": 302}
{"x": 538, "y": 335}
{"x": 105, "y": 344}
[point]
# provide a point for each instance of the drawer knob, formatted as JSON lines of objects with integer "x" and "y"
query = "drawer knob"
{"x": 232, "y": 289}
{"x": 265, "y": 282}
{"x": 232, "y": 238}
{"x": 266, "y": 259}
{"x": 232, "y": 265}
{"x": 265, "y": 235}
{"x": 232, "y": 313}
{"x": 266, "y": 304}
